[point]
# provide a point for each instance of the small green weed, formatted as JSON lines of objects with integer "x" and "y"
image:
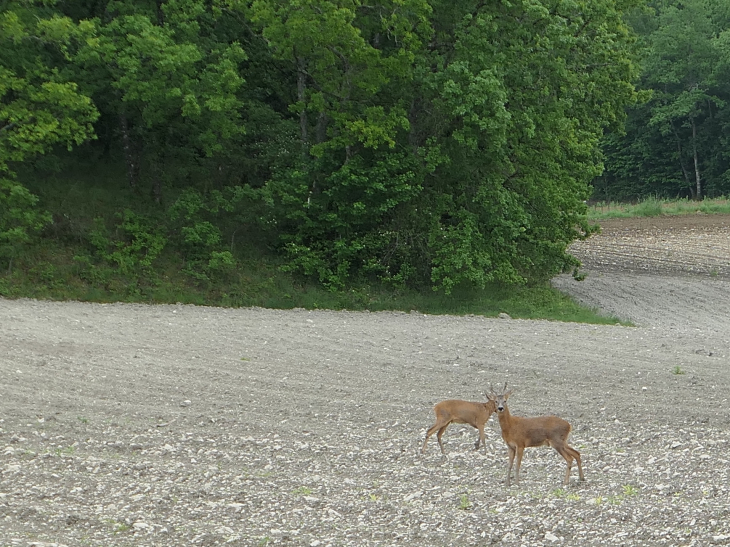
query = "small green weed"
{"x": 69, "y": 450}
{"x": 564, "y": 494}
{"x": 464, "y": 503}
{"x": 615, "y": 500}
{"x": 302, "y": 491}
{"x": 628, "y": 490}
{"x": 677, "y": 370}
{"x": 118, "y": 527}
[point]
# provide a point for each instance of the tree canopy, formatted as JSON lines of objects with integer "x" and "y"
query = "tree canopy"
{"x": 417, "y": 142}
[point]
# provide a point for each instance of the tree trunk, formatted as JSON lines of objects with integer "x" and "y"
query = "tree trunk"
{"x": 160, "y": 13}
{"x": 698, "y": 179}
{"x": 129, "y": 155}
{"x": 303, "y": 119}
{"x": 157, "y": 188}
{"x": 681, "y": 163}
{"x": 321, "y": 134}
{"x": 301, "y": 96}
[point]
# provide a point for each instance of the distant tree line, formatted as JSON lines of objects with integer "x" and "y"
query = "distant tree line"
{"x": 677, "y": 139}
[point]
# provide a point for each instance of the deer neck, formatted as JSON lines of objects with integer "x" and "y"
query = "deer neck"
{"x": 504, "y": 417}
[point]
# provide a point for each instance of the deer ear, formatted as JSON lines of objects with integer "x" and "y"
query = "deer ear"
{"x": 506, "y": 395}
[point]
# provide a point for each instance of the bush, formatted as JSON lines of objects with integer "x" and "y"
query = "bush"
{"x": 20, "y": 221}
{"x": 132, "y": 247}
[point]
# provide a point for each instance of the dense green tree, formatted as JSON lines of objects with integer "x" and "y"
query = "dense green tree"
{"x": 448, "y": 152}
{"x": 526, "y": 89}
{"x": 352, "y": 63}
{"x": 680, "y": 69}
{"x": 171, "y": 83}
{"x": 419, "y": 142}
{"x": 39, "y": 107}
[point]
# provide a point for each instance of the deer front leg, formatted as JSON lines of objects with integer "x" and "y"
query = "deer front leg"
{"x": 511, "y": 461}
{"x": 520, "y": 452}
{"x": 481, "y": 440}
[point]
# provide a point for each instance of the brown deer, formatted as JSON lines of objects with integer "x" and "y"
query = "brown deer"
{"x": 455, "y": 411}
{"x": 520, "y": 433}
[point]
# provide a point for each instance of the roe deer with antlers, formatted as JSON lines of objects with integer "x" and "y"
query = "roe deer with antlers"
{"x": 455, "y": 411}
{"x": 520, "y": 433}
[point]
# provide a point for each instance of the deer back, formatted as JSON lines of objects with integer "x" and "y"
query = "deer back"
{"x": 464, "y": 412}
{"x": 537, "y": 431}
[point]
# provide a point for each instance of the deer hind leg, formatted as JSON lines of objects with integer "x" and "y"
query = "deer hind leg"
{"x": 570, "y": 454}
{"x": 431, "y": 431}
{"x": 576, "y": 455}
{"x": 439, "y": 435}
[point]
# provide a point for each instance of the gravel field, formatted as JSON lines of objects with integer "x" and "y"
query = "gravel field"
{"x": 181, "y": 425}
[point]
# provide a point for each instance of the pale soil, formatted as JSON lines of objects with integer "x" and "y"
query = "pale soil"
{"x": 181, "y": 425}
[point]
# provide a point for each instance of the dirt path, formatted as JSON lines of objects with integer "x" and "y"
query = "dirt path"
{"x": 181, "y": 425}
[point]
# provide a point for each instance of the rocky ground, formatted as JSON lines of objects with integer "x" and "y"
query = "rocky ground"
{"x": 181, "y": 425}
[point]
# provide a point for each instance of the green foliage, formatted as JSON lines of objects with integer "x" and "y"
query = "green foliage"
{"x": 654, "y": 207}
{"x": 346, "y": 60}
{"x": 352, "y": 224}
{"x": 519, "y": 97}
{"x": 497, "y": 144}
{"x": 61, "y": 267}
{"x": 464, "y": 503}
{"x": 20, "y": 219}
{"x": 39, "y": 106}
{"x": 221, "y": 261}
{"x": 172, "y": 84}
{"x": 132, "y": 247}
{"x": 650, "y": 207}
{"x": 198, "y": 224}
